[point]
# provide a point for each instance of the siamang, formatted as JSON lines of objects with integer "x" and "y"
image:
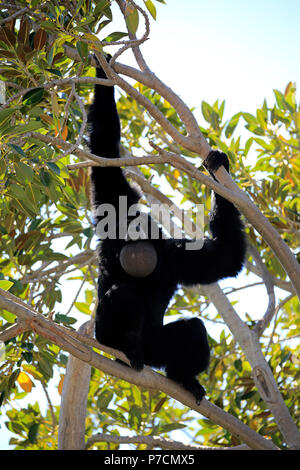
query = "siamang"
{"x": 131, "y": 309}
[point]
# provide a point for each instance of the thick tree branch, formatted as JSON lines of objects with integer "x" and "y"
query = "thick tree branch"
{"x": 262, "y": 373}
{"x": 197, "y": 145}
{"x": 152, "y": 81}
{"x": 71, "y": 431}
{"x": 147, "y": 378}
{"x": 13, "y": 331}
{"x": 153, "y": 442}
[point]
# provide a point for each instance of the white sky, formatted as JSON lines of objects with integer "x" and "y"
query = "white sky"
{"x": 237, "y": 50}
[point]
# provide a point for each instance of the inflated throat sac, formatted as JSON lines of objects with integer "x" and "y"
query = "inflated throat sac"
{"x": 139, "y": 258}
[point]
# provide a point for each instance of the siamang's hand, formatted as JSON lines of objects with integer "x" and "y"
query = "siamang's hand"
{"x": 214, "y": 160}
{"x": 99, "y": 71}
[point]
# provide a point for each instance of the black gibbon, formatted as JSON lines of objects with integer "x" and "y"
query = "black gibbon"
{"x": 131, "y": 307}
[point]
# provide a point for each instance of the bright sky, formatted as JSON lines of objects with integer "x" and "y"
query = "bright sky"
{"x": 237, "y": 50}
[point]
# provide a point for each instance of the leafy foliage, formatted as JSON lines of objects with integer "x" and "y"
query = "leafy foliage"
{"x": 46, "y": 237}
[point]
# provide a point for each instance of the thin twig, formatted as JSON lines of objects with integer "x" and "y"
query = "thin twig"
{"x": 262, "y": 324}
{"x": 14, "y": 16}
{"x": 277, "y": 310}
{"x": 54, "y": 420}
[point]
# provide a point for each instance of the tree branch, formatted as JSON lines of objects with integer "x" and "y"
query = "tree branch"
{"x": 153, "y": 441}
{"x": 71, "y": 430}
{"x": 261, "y": 371}
{"x": 14, "y": 16}
{"x": 135, "y": 48}
{"x": 285, "y": 285}
{"x": 147, "y": 378}
{"x": 268, "y": 281}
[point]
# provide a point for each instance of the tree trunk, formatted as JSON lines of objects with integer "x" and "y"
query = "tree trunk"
{"x": 72, "y": 415}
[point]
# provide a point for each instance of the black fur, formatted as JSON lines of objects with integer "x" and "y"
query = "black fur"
{"x": 131, "y": 310}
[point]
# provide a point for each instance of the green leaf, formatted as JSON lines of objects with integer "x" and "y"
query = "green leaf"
{"x": 59, "y": 318}
{"x": 22, "y": 128}
{"x": 33, "y": 96}
{"x": 52, "y": 166}
{"x": 45, "y": 177}
{"x": 250, "y": 119}
{"x": 87, "y": 20}
{"x": 8, "y": 316}
{"x": 253, "y": 124}
{"x": 104, "y": 400}
{"x": 24, "y": 173}
{"x": 171, "y": 427}
{"x": 18, "y": 150}
{"x": 261, "y": 118}
{"x": 55, "y": 72}
{"x": 44, "y": 366}
{"x": 222, "y": 146}
{"x": 16, "y": 191}
{"x": 88, "y": 232}
{"x": 290, "y": 96}
{"x": 101, "y": 5}
{"x": 83, "y": 308}
{"x": 83, "y": 50}
{"x": 5, "y": 114}
{"x": 48, "y": 25}
{"x": 248, "y": 145}
{"x": 206, "y": 111}
{"x": 279, "y": 99}
{"x": 238, "y": 365}
{"x": 132, "y": 19}
{"x": 115, "y": 36}
{"x": 232, "y": 125}
{"x": 33, "y": 432}
{"x": 151, "y": 8}
{"x": 6, "y": 285}
{"x": 33, "y": 196}
{"x": 221, "y": 109}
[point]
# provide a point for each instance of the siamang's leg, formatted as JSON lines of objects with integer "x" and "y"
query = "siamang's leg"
{"x": 181, "y": 348}
{"x": 119, "y": 322}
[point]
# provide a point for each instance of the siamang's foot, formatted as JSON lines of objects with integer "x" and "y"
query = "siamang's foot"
{"x": 199, "y": 393}
{"x": 192, "y": 385}
{"x": 136, "y": 359}
{"x": 137, "y": 363}
{"x": 119, "y": 361}
{"x": 215, "y": 159}
{"x": 195, "y": 388}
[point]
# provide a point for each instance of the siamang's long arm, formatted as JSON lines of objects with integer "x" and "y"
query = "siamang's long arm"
{"x": 108, "y": 183}
{"x": 222, "y": 255}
